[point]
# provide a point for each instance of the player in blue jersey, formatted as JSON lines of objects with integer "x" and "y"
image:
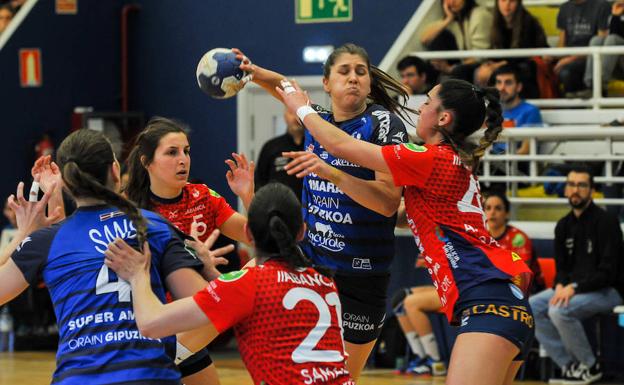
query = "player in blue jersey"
{"x": 99, "y": 342}
{"x": 350, "y": 210}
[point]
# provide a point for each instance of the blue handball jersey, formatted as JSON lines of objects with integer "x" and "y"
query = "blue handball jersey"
{"x": 341, "y": 233}
{"x": 99, "y": 342}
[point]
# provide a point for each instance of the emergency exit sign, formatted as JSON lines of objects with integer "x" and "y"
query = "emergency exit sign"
{"x": 323, "y": 11}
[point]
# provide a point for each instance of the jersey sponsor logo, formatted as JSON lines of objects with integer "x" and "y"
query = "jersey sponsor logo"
{"x": 515, "y": 290}
{"x": 326, "y": 202}
{"x": 113, "y": 214}
{"x": 399, "y": 137}
{"x": 22, "y": 243}
{"x": 329, "y": 215}
{"x": 518, "y": 240}
{"x": 357, "y": 322}
{"x": 104, "y": 236}
{"x": 361, "y": 263}
{"x": 384, "y": 124}
{"x": 457, "y": 160}
{"x": 195, "y": 209}
{"x": 323, "y": 186}
{"x": 516, "y": 313}
{"x": 98, "y": 339}
{"x": 98, "y": 318}
{"x": 232, "y": 275}
{"x": 212, "y": 192}
{"x": 343, "y": 163}
{"x": 515, "y": 257}
{"x": 172, "y": 214}
{"x": 324, "y": 155}
{"x": 325, "y": 237}
{"x": 357, "y": 135}
{"x": 323, "y": 374}
{"x": 414, "y": 147}
{"x": 304, "y": 279}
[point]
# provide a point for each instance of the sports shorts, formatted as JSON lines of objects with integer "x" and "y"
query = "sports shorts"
{"x": 363, "y": 300}
{"x": 195, "y": 363}
{"x": 497, "y": 307}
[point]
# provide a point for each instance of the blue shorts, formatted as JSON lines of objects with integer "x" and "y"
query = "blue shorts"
{"x": 500, "y": 308}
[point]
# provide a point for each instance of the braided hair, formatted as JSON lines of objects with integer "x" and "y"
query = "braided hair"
{"x": 85, "y": 158}
{"x": 471, "y": 106}
{"x": 138, "y": 187}
{"x": 274, "y": 220}
{"x": 383, "y": 86}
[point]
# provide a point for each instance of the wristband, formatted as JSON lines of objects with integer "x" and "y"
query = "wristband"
{"x": 304, "y": 111}
{"x": 182, "y": 353}
{"x": 33, "y": 195}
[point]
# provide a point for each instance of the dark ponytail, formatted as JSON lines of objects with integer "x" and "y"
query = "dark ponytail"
{"x": 381, "y": 82}
{"x": 138, "y": 187}
{"x": 85, "y": 158}
{"x": 275, "y": 219}
{"x": 471, "y": 107}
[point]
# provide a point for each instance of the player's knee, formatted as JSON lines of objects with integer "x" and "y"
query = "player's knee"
{"x": 397, "y": 301}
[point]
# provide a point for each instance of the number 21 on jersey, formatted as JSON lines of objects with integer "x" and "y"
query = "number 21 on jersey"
{"x": 306, "y": 351}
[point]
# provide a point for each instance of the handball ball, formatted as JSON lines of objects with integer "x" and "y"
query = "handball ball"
{"x": 218, "y": 74}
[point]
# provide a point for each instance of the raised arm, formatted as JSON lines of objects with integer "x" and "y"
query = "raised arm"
{"x": 335, "y": 141}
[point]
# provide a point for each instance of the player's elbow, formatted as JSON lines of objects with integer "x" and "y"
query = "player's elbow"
{"x": 151, "y": 329}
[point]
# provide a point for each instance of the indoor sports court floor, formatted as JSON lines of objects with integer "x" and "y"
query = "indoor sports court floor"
{"x": 36, "y": 368}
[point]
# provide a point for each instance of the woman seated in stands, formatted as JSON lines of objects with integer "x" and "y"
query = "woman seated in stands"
{"x": 514, "y": 27}
{"x": 469, "y": 26}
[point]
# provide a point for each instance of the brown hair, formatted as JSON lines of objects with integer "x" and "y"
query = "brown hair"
{"x": 85, "y": 158}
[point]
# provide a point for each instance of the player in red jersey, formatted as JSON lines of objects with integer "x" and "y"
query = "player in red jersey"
{"x": 472, "y": 274}
{"x": 159, "y": 166}
{"x": 285, "y": 313}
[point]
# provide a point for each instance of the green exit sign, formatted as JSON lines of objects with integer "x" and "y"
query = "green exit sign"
{"x": 322, "y": 11}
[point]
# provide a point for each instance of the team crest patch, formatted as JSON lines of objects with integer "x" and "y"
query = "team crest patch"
{"x": 232, "y": 276}
{"x": 515, "y": 290}
{"x": 214, "y": 193}
{"x": 518, "y": 241}
{"x": 414, "y": 147}
{"x": 515, "y": 257}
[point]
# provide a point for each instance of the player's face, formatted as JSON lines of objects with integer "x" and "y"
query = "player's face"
{"x": 508, "y": 87}
{"x": 429, "y": 115}
{"x": 455, "y": 5}
{"x": 578, "y": 189}
{"x": 348, "y": 83}
{"x": 172, "y": 162}
{"x": 495, "y": 212}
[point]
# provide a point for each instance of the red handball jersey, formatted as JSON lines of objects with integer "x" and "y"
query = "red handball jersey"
{"x": 517, "y": 241}
{"x": 197, "y": 203}
{"x": 287, "y": 323}
{"x": 443, "y": 205}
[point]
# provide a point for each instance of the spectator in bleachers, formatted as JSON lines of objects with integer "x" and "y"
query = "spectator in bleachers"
{"x": 6, "y": 15}
{"x": 416, "y": 75}
{"x": 578, "y": 21}
{"x": 497, "y": 208}
{"x": 614, "y": 37}
{"x": 469, "y": 24}
{"x": 588, "y": 245}
{"x": 516, "y": 111}
{"x": 514, "y": 27}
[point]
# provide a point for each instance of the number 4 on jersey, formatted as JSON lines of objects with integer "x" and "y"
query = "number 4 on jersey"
{"x": 104, "y": 286}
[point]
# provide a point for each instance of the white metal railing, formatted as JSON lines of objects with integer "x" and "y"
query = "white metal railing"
{"x": 596, "y": 101}
{"x": 597, "y": 144}
{"x": 18, "y": 18}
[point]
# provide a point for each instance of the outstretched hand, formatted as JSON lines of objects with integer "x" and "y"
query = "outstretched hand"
{"x": 127, "y": 262}
{"x": 246, "y": 66}
{"x": 31, "y": 216}
{"x": 210, "y": 258}
{"x": 304, "y": 163}
{"x": 292, "y": 95}
{"x": 240, "y": 176}
{"x": 46, "y": 172}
